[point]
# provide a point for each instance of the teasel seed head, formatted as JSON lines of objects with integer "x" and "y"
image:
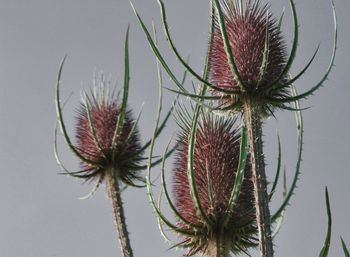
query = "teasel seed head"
{"x": 97, "y": 118}
{"x": 259, "y": 54}
{"x": 215, "y": 162}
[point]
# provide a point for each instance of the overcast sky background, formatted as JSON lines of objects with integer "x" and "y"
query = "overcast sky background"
{"x": 40, "y": 214}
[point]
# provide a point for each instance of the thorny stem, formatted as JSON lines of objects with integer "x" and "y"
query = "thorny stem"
{"x": 218, "y": 247}
{"x": 252, "y": 120}
{"x": 117, "y": 204}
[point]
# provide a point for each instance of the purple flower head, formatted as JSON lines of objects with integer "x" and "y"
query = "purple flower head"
{"x": 259, "y": 54}
{"x": 215, "y": 162}
{"x": 97, "y": 120}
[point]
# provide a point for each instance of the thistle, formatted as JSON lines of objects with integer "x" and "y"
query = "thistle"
{"x": 108, "y": 145}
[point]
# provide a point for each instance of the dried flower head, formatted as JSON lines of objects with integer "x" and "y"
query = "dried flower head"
{"x": 215, "y": 164}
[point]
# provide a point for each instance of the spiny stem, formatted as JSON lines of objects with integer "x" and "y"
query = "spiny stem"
{"x": 218, "y": 248}
{"x": 117, "y": 204}
{"x": 252, "y": 119}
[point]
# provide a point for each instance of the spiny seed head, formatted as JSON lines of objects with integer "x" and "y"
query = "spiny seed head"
{"x": 216, "y": 154}
{"x": 248, "y": 28}
{"x": 95, "y": 130}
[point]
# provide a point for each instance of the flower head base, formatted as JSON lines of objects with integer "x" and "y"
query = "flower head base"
{"x": 215, "y": 162}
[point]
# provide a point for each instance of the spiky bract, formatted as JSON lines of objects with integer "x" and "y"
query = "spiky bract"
{"x": 95, "y": 131}
{"x": 258, "y": 50}
{"x": 215, "y": 166}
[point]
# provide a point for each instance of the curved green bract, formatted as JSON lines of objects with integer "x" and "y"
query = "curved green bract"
{"x": 300, "y": 132}
{"x": 61, "y": 121}
{"x": 280, "y": 219}
{"x": 165, "y": 190}
{"x": 183, "y": 62}
{"x": 291, "y": 81}
{"x": 227, "y": 47}
{"x": 149, "y": 168}
{"x": 157, "y": 52}
{"x": 243, "y": 152}
{"x": 166, "y": 155}
{"x": 194, "y": 96}
{"x": 91, "y": 126}
{"x": 94, "y": 189}
{"x": 345, "y": 249}
{"x": 134, "y": 126}
{"x": 327, "y": 242}
{"x": 190, "y": 168}
{"x": 265, "y": 60}
{"x": 291, "y": 58}
{"x": 280, "y": 20}
{"x": 279, "y": 164}
{"x": 121, "y": 116}
{"x": 329, "y": 69}
{"x": 160, "y": 225}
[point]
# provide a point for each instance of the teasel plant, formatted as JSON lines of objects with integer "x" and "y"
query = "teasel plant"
{"x": 108, "y": 144}
{"x": 248, "y": 75}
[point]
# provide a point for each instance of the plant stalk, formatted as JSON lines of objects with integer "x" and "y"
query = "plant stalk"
{"x": 218, "y": 247}
{"x": 252, "y": 120}
{"x": 118, "y": 210}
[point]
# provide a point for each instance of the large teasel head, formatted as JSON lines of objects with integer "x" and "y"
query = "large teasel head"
{"x": 108, "y": 139}
{"x": 211, "y": 214}
{"x": 247, "y": 57}
{"x": 212, "y": 188}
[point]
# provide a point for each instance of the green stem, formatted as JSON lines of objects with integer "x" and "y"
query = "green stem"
{"x": 118, "y": 210}
{"x": 217, "y": 247}
{"x": 252, "y": 119}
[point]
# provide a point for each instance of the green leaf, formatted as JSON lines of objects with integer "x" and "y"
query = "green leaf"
{"x": 327, "y": 242}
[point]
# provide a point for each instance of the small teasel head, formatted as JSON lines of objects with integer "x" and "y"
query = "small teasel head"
{"x": 101, "y": 142}
{"x": 108, "y": 139}
{"x": 217, "y": 206}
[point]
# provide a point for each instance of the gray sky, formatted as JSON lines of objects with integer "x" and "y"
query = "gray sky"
{"x": 40, "y": 213}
